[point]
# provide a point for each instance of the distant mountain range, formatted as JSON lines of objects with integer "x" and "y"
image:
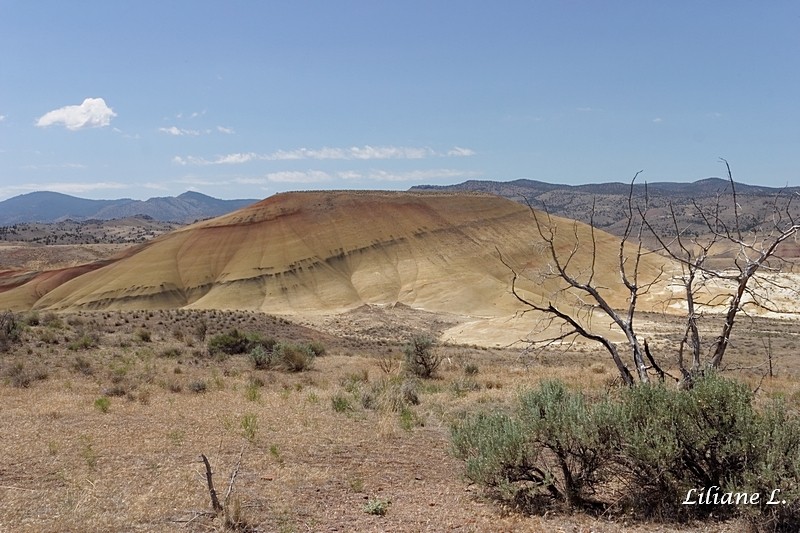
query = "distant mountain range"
{"x": 572, "y": 201}
{"x": 532, "y": 189}
{"x": 56, "y": 207}
{"x": 605, "y": 204}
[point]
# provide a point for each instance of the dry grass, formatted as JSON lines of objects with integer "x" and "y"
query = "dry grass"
{"x": 69, "y": 466}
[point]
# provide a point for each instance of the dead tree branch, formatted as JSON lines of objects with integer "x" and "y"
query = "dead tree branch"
{"x": 215, "y": 505}
{"x": 697, "y": 249}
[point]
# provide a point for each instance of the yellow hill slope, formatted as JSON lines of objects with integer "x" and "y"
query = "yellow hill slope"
{"x": 329, "y": 251}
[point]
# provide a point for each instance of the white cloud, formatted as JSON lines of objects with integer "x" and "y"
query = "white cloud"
{"x": 350, "y": 175}
{"x": 92, "y": 113}
{"x": 156, "y": 186}
{"x": 354, "y": 152}
{"x": 235, "y": 159}
{"x": 2, "y": 118}
{"x": 223, "y": 129}
{"x": 310, "y": 176}
{"x": 193, "y": 114}
{"x": 127, "y": 135}
{"x": 178, "y": 160}
{"x": 251, "y": 181}
{"x": 191, "y": 180}
{"x": 57, "y": 166}
{"x": 457, "y": 151}
{"x": 658, "y": 120}
{"x": 174, "y": 130}
{"x": 389, "y": 152}
{"x": 373, "y": 175}
{"x": 84, "y": 187}
{"x": 321, "y": 176}
{"x": 228, "y": 159}
{"x": 361, "y": 153}
{"x": 419, "y": 175}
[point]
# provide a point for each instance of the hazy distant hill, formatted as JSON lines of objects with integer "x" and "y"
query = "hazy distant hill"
{"x": 55, "y": 207}
{"x": 532, "y": 189}
{"x": 609, "y": 200}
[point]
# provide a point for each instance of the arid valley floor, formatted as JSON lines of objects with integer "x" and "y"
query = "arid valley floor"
{"x": 304, "y": 463}
{"x": 105, "y": 415}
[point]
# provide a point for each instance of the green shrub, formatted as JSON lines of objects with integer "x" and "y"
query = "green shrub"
{"x": 83, "y": 341}
{"x": 19, "y": 376}
{"x": 471, "y": 369}
{"x": 48, "y": 336}
{"x": 409, "y": 419}
{"x": 143, "y": 335}
{"x": 420, "y": 357}
{"x": 10, "y": 331}
{"x": 200, "y": 329}
{"x": 577, "y": 434}
{"x": 671, "y": 441}
{"x": 354, "y": 381}
{"x": 261, "y": 357}
{"x": 230, "y": 343}
{"x": 317, "y": 348}
{"x": 198, "y": 386}
{"x": 652, "y": 443}
{"x": 52, "y": 320}
{"x": 341, "y": 403}
{"x": 116, "y": 390}
{"x": 391, "y": 394}
{"x": 82, "y": 366}
{"x": 462, "y": 386}
{"x": 267, "y": 343}
{"x": 235, "y": 342}
{"x": 376, "y": 507}
{"x": 777, "y": 467}
{"x": 170, "y": 353}
{"x": 32, "y": 318}
{"x": 294, "y": 357}
{"x": 498, "y": 454}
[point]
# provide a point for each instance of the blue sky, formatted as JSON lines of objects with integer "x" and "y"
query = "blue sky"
{"x": 242, "y": 99}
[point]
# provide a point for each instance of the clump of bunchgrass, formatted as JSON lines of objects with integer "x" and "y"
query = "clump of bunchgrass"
{"x": 102, "y": 404}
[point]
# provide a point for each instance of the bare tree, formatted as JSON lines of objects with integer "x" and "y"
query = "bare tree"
{"x": 580, "y": 296}
{"x": 755, "y": 250}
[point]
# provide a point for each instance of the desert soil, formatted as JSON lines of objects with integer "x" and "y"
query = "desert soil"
{"x": 301, "y": 464}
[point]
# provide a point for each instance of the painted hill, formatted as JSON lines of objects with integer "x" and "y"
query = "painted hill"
{"x": 324, "y": 252}
{"x": 47, "y": 206}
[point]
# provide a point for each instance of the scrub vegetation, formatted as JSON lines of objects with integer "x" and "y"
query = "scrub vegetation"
{"x": 108, "y": 436}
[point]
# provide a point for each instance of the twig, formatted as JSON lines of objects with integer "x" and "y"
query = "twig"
{"x": 234, "y": 473}
{"x": 209, "y": 479}
{"x": 761, "y": 382}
